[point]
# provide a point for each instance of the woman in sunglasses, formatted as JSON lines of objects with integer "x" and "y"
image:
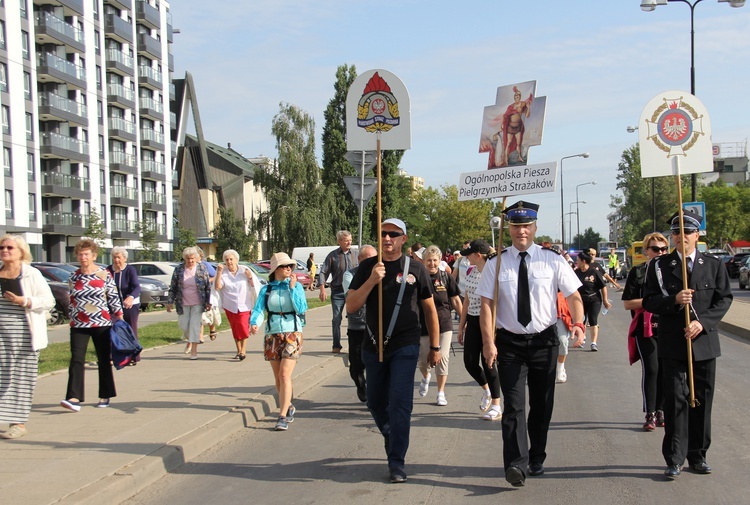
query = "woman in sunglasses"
{"x": 642, "y": 336}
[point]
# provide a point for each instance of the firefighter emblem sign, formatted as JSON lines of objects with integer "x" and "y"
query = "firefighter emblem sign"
{"x": 675, "y": 123}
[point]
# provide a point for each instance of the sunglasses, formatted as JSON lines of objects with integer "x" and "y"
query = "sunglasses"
{"x": 8, "y": 247}
{"x": 656, "y": 249}
{"x": 687, "y": 232}
{"x": 285, "y": 266}
{"x": 392, "y": 234}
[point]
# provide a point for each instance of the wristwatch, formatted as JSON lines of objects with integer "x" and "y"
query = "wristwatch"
{"x": 435, "y": 348}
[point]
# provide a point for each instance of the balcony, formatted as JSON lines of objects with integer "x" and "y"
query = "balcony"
{"x": 124, "y": 228}
{"x": 117, "y": 28}
{"x": 119, "y": 95}
{"x": 51, "y": 68}
{"x": 152, "y": 139}
{"x": 170, "y": 62}
{"x": 173, "y": 123}
{"x": 64, "y": 223}
{"x": 149, "y": 46}
{"x": 147, "y": 14}
{"x": 70, "y": 7}
{"x": 55, "y": 145}
{"x": 154, "y": 201}
{"x": 120, "y": 63}
{"x": 149, "y": 78}
{"x": 124, "y": 196}
{"x": 123, "y": 163}
{"x": 151, "y": 169}
{"x": 59, "y": 108}
{"x": 122, "y": 129}
{"x": 160, "y": 229}
{"x": 175, "y": 179}
{"x": 125, "y": 5}
{"x": 172, "y": 92}
{"x": 151, "y": 109}
{"x": 53, "y": 30}
{"x": 65, "y": 186}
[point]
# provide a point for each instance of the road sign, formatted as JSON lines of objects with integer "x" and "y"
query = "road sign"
{"x": 354, "y": 185}
{"x": 697, "y": 208}
{"x": 355, "y": 159}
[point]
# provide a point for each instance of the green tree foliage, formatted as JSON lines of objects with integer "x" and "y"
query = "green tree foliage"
{"x": 589, "y": 238}
{"x": 96, "y": 230}
{"x": 727, "y": 208}
{"x": 345, "y": 213}
{"x": 300, "y": 207}
{"x": 230, "y": 234}
{"x": 636, "y": 202}
{"x": 185, "y": 238}
{"x": 149, "y": 243}
{"x": 395, "y": 192}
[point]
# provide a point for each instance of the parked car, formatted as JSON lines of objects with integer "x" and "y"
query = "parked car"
{"x": 303, "y": 276}
{"x": 161, "y": 270}
{"x": 733, "y": 266}
{"x": 57, "y": 272}
{"x": 744, "y": 273}
{"x": 153, "y": 292}
{"x": 59, "y": 312}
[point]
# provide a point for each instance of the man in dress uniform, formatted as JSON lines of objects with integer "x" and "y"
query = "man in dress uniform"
{"x": 687, "y": 430}
{"x": 522, "y": 282}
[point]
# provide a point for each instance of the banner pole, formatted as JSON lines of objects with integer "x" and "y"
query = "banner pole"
{"x": 380, "y": 253}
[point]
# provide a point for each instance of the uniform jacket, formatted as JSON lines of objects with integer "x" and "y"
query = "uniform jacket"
{"x": 711, "y": 300}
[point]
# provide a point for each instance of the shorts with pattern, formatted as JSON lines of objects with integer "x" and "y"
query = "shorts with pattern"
{"x": 277, "y": 346}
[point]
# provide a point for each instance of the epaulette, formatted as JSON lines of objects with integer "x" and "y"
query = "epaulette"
{"x": 492, "y": 255}
{"x": 550, "y": 249}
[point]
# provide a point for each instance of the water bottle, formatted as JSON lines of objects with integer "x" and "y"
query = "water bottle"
{"x": 605, "y": 311}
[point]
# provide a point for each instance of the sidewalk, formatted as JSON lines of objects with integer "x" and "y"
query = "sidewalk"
{"x": 168, "y": 410}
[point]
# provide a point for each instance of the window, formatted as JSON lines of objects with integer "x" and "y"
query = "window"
{"x": 3, "y": 77}
{"x": 98, "y": 77}
{"x": 103, "y": 215}
{"x": 7, "y": 163}
{"x": 100, "y": 111}
{"x": 32, "y": 207}
{"x": 30, "y": 167}
{"x": 101, "y": 146}
{"x": 96, "y": 9}
{"x": 8, "y": 204}
{"x": 2, "y": 34}
{"x": 29, "y": 126}
{"x": 102, "y": 181}
{"x": 6, "y": 119}
{"x": 24, "y": 12}
{"x": 27, "y": 85}
{"x": 96, "y": 42}
{"x": 25, "y": 44}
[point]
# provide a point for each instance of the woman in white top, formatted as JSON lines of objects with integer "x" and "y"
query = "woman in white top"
{"x": 238, "y": 287}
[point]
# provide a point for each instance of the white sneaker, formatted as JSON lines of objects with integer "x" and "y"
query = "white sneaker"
{"x": 441, "y": 401}
{"x": 562, "y": 375}
{"x": 424, "y": 385}
{"x": 484, "y": 403}
{"x": 494, "y": 414}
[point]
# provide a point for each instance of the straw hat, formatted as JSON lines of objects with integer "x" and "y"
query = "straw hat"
{"x": 281, "y": 259}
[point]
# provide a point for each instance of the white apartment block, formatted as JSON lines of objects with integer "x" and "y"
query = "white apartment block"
{"x": 85, "y": 89}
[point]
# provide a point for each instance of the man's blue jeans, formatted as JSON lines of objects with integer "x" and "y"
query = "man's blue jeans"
{"x": 390, "y": 397}
{"x": 338, "y": 300}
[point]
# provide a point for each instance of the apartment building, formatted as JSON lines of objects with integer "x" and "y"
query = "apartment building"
{"x": 84, "y": 95}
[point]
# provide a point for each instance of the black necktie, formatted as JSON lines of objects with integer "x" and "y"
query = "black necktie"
{"x": 689, "y": 264}
{"x": 524, "y": 298}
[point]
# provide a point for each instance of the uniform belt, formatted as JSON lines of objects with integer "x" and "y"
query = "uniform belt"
{"x": 527, "y": 336}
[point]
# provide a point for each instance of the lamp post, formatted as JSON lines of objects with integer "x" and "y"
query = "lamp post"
{"x": 578, "y": 216}
{"x": 570, "y": 225}
{"x": 632, "y": 129}
{"x": 649, "y": 6}
{"x": 562, "y": 199}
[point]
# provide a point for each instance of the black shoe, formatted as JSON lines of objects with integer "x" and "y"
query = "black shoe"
{"x": 673, "y": 471}
{"x": 362, "y": 393}
{"x": 701, "y": 468}
{"x": 515, "y": 476}
{"x": 536, "y": 469}
{"x": 398, "y": 475}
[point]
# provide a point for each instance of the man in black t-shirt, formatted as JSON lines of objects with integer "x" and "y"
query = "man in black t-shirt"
{"x": 390, "y": 383}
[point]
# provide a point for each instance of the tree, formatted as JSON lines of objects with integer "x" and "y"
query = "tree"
{"x": 727, "y": 208}
{"x": 393, "y": 192}
{"x": 185, "y": 238}
{"x": 230, "y": 234}
{"x": 335, "y": 166}
{"x": 96, "y": 230}
{"x": 149, "y": 243}
{"x": 300, "y": 207}
{"x": 636, "y": 202}
{"x": 589, "y": 238}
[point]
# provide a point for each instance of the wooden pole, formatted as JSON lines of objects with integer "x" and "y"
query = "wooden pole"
{"x": 497, "y": 265}
{"x": 691, "y": 382}
{"x": 380, "y": 253}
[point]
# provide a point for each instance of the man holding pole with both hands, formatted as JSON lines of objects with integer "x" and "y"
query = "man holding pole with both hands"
{"x": 523, "y": 337}
{"x": 688, "y": 345}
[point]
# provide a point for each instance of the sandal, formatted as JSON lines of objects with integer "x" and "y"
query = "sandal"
{"x": 212, "y": 335}
{"x": 493, "y": 415}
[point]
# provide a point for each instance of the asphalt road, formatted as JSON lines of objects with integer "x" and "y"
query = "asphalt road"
{"x": 597, "y": 452}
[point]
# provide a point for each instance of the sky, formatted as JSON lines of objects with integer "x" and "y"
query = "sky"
{"x": 598, "y": 63}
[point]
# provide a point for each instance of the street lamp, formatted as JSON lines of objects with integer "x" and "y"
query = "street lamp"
{"x": 570, "y": 225}
{"x": 649, "y": 6}
{"x": 562, "y": 199}
{"x": 578, "y": 216}
{"x": 570, "y": 233}
{"x": 632, "y": 129}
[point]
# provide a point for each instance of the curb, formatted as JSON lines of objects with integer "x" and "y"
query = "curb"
{"x": 133, "y": 478}
{"x": 737, "y": 331}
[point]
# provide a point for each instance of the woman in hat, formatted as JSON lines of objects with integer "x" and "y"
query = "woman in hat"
{"x": 281, "y": 302}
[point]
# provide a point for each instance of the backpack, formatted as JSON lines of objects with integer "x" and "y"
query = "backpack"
{"x": 282, "y": 314}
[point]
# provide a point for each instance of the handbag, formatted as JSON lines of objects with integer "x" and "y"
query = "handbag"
{"x": 125, "y": 345}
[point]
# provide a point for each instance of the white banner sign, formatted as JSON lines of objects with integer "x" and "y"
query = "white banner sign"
{"x": 675, "y": 124}
{"x": 523, "y": 180}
